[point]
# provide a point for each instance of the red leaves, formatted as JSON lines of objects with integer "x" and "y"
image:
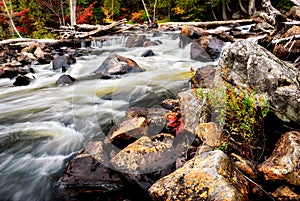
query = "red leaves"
{"x": 175, "y": 123}
{"x": 83, "y": 16}
{"x": 21, "y": 13}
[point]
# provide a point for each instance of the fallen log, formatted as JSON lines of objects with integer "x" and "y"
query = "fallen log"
{"x": 209, "y": 24}
{"x": 92, "y": 30}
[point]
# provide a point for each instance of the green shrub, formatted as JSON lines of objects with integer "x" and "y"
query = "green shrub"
{"x": 240, "y": 113}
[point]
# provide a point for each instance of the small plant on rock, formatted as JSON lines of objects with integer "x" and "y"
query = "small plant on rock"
{"x": 241, "y": 114}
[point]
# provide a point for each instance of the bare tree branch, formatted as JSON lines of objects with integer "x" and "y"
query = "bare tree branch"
{"x": 11, "y": 20}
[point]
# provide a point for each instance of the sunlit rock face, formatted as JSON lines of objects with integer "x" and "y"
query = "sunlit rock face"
{"x": 283, "y": 164}
{"x": 247, "y": 64}
{"x": 208, "y": 176}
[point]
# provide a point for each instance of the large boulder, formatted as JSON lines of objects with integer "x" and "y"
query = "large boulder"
{"x": 88, "y": 174}
{"x": 247, "y": 64}
{"x": 115, "y": 65}
{"x": 147, "y": 159}
{"x": 283, "y": 164}
{"x": 135, "y": 41}
{"x": 209, "y": 176}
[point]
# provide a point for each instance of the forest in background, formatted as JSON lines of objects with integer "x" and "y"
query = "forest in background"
{"x": 35, "y": 18}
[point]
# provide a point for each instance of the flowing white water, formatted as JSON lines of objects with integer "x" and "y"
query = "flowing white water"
{"x": 42, "y": 126}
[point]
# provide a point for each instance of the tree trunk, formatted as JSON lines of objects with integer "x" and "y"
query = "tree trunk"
{"x": 224, "y": 16}
{"x": 146, "y": 11}
{"x": 73, "y": 12}
{"x": 242, "y": 7}
{"x": 154, "y": 11}
{"x": 11, "y": 20}
{"x": 62, "y": 13}
{"x": 251, "y": 8}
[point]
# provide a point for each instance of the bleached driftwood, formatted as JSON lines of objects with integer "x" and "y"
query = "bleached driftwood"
{"x": 208, "y": 24}
{"x": 92, "y": 30}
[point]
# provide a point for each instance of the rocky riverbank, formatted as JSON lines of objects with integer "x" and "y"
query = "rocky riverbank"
{"x": 177, "y": 152}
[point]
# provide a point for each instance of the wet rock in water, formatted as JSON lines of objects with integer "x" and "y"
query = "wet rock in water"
{"x": 21, "y": 80}
{"x": 63, "y": 62}
{"x": 11, "y": 72}
{"x": 147, "y": 159}
{"x": 283, "y": 163}
{"x": 149, "y": 42}
{"x": 115, "y": 65}
{"x": 184, "y": 41}
{"x": 285, "y": 193}
{"x": 193, "y": 110}
{"x": 247, "y": 64}
{"x": 148, "y": 53}
{"x": 289, "y": 50}
{"x": 135, "y": 41}
{"x": 65, "y": 80}
{"x": 88, "y": 174}
{"x": 214, "y": 48}
{"x": 204, "y": 77}
{"x": 209, "y": 133}
{"x": 199, "y": 53}
{"x": 208, "y": 176}
{"x": 129, "y": 128}
{"x": 294, "y": 13}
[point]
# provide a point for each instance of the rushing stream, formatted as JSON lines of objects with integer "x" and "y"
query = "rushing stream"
{"x": 42, "y": 126}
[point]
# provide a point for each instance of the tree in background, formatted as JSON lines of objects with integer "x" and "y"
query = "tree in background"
{"x": 111, "y": 10}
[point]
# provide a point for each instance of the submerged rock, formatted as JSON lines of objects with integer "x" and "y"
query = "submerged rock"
{"x": 283, "y": 164}
{"x": 21, "y": 80}
{"x": 64, "y": 80}
{"x": 246, "y": 64}
{"x": 116, "y": 65}
{"x": 209, "y": 176}
{"x": 148, "y": 53}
